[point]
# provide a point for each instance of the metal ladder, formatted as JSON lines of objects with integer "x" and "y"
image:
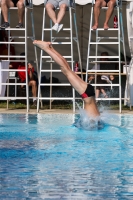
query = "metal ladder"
{"x": 24, "y": 36}
{"x": 117, "y": 40}
{"x": 57, "y": 40}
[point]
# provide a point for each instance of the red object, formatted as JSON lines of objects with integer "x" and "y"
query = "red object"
{"x": 76, "y": 68}
{"x": 22, "y": 74}
{"x": 115, "y": 22}
{"x": 84, "y": 95}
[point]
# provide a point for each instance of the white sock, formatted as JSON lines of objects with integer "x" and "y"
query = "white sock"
{"x": 34, "y": 98}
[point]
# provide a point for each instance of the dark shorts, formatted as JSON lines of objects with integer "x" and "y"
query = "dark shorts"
{"x": 15, "y": 2}
{"x": 89, "y": 92}
{"x": 106, "y": 1}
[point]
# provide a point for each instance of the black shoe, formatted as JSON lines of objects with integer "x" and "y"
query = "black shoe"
{"x": 20, "y": 25}
{"x": 5, "y": 25}
{"x": 35, "y": 103}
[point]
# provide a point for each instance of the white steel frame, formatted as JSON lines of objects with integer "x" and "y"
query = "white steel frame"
{"x": 25, "y": 37}
{"x": 119, "y": 39}
{"x": 72, "y": 15}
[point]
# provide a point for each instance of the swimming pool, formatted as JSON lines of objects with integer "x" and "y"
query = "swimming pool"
{"x": 44, "y": 156}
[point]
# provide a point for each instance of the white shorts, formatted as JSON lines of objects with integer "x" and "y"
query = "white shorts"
{"x": 57, "y": 3}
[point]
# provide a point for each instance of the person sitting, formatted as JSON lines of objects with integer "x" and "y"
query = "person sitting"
{"x": 5, "y": 5}
{"x": 51, "y": 5}
{"x": 104, "y": 79}
{"x": 31, "y": 79}
{"x": 97, "y": 7}
{"x": 32, "y": 76}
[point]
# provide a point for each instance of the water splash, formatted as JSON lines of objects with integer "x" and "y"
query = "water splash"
{"x": 86, "y": 122}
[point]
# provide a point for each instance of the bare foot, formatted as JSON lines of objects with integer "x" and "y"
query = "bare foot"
{"x": 106, "y": 26}
{"x": 95, "y": 26}
{"x": 42, "y": 44}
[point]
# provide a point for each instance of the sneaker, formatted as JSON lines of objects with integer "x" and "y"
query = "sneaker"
{"x": 5, "y": 25}
{"x": 59, "y": 28}
{"x": 105, "y": 78}
{"x": 35, "y": 103}
{"x": 55, "y": 27}
{"x": 20, "y": 25}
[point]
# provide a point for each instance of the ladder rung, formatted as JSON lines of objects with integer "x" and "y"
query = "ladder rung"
{"x": 66, "y": 29}
{"x": 10, "y": 56}
{"x": 104, "y": 56}
{"x": 104, "y": 43}
{"x": 12, "y": 42}
{"x": 16, "y": 70}
{"x": 56, "y": 98}
{"x": 50, "y": 29}
{"x": 61, "y": 43}
{"x": 15, "y": 61}
{"x": 111, "y": 61}
{"x": 53, "y": 84}
{"x": 106, "y": 73}
{"x": 12, "y": 98}
{"x": 102, "y": 29}
{"x": 94, "y": 70}
{"x": 105, "y": 8}
{"x": 47, "y": 29}
{"x": 48, "y": 70}
{"x": 14, "y": 29}
{"x": 106, "y": 99}
{"x": 13, "y": 83}
{"x": 106, "y": 84}
{"x": 110, "y": 38}
{"x": 16, "y": 8}
{"x": 12, "y": 37}
{"x": 61, "y": 38}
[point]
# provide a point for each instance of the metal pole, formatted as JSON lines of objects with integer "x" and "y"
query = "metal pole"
{"x": 27, "y": 86}
{"x": 41, "y": 54}
{"x": 88, "y": 53}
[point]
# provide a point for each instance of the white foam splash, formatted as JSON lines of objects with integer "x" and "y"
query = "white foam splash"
{"x": 86, "y": 122}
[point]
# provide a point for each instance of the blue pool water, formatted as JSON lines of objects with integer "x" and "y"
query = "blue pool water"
{"x": 44, "y": 156}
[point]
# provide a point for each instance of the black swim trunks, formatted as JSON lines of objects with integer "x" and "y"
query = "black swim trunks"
{"x": 89, "y": 92}
{"x": 106, "y": 1}
{"x": 15, "y": 2}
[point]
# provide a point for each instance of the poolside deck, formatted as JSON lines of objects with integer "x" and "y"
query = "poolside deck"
{"x": 54, "y": 111}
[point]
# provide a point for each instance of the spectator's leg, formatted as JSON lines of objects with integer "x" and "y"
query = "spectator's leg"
{"x": 97, "y": 8}
{"x": 61, "y": 12}
{"x": 20, "y": 6}
{"x": 51, "y": 12}
{"x": 104, "y": 93}
{"x": 97, "y": 92}
{"x": 109, "y": 12}
{"x": 32, "y": 83}
{"x": 5, "y": 5}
